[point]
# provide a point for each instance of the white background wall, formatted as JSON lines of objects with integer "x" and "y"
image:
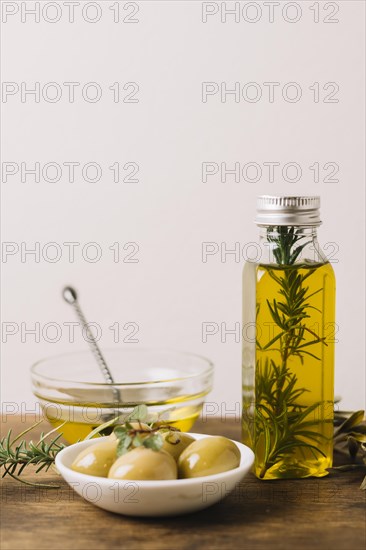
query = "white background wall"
{"x": 169, "y": 133}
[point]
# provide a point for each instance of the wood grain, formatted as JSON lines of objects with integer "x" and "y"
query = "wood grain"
{"x": 327, "y": 513}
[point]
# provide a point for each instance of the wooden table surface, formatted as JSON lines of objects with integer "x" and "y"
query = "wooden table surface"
{"x": 326, "y": 514}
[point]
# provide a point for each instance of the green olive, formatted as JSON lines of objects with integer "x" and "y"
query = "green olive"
{"x": 97, "y": 459}
{"x": 176, "y": 442}
{"x": 143, "y": 463}
{"x": 207, "y": 456}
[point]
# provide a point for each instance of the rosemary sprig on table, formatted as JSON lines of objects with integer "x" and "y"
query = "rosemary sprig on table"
{"x": 15, "y": 457}
{"x": 281, "y": 420}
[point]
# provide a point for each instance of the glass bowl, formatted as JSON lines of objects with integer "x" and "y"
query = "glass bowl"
{"x": 70, "y": 387}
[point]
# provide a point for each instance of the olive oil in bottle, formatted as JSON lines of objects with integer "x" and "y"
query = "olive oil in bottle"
{"x": 288, "y": 356}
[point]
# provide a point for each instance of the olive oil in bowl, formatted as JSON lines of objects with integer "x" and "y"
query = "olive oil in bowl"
{"x": 72, "y": 392}
{"x": 75, "y": 423}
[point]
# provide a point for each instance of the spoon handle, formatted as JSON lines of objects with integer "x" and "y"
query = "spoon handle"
{"x": 70, "y": 296}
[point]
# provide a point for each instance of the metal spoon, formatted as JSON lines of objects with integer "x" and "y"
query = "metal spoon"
{"x": 70, "y": 296}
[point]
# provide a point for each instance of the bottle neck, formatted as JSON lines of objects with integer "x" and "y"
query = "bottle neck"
{"x": 288, "y": 245}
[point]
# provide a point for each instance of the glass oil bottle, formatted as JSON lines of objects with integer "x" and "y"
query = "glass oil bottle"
{"x": 288, "y": 343}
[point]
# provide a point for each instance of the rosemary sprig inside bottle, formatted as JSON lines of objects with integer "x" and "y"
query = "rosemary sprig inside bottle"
{"x": 289, "y": 426}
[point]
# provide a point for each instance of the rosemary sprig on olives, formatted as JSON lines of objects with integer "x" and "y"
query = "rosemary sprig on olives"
{"x": 135, "y": 430}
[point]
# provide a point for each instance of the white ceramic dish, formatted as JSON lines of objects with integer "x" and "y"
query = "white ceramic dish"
{"x": 152, "y": 498}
